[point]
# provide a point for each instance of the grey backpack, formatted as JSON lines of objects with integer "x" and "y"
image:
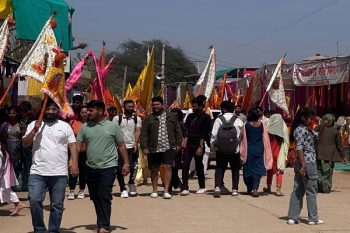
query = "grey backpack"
{"x": 226, "y": 140}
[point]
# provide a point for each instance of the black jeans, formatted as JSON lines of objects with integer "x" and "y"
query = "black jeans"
{"x": 189, "y": 153}
{"x": 175, "y": 180}
{"x": 221, "y": 166}
{"x": 100, "y": 184}
{"x": 133, "y": 160}
{"x": 82, "y": 173}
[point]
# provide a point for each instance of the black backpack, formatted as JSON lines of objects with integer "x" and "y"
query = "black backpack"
{"x": 120, "y": 119}
{"x": 226, "y": 140}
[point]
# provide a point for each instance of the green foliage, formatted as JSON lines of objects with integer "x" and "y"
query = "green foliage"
{"x": 134, "y": 55}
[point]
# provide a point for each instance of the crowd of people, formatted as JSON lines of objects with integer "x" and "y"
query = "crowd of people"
{"x": 38, "y": 156}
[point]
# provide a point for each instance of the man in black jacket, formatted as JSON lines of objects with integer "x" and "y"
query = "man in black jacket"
{"x": 198, "y": 126}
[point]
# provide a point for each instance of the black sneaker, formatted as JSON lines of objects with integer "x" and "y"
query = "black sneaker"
{"x": 217, "y": 192}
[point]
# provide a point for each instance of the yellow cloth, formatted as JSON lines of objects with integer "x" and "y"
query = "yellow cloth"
{"x": 5, "y": 8}
{"x": 54, "y": 87}
{"x": 147, "y": 88}
{"x": 34, "y": 87}
{"x": 135, "y": 93}
{"x": 128, "y": 92}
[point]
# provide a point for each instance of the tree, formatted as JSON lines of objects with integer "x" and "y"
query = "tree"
{"x": 133, "y": 54}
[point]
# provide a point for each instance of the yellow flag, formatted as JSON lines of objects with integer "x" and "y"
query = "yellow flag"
{"x": 135, "y": 93}
{"x": 128, "y": 92}
{"x": 5, "y": 8}
{"x": 187, "y": 101}
{"x": 148, "y": 82}
{"x": 118, "y": 104}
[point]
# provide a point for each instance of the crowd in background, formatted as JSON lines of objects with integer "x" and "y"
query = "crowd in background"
{"x": 164, "y": 142}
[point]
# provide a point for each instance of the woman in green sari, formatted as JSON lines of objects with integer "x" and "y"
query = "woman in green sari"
{"x": 328, "y": 152}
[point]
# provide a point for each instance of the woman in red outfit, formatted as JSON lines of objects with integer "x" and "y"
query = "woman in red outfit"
{"x": 278, "y": 134}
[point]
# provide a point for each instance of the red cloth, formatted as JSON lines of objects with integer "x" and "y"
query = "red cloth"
{"x": 275, "y": 149}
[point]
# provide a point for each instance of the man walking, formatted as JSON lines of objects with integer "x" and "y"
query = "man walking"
{"x": 198, "y": 127}
{"x": 130, "y": 124}
{"x": 225, "y": 141}
{"x": 161, "y": 137}
{"x": 51, "y": 140}
{"x": 102, "y": 137}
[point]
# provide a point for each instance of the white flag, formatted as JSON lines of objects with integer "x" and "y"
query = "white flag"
{"x": 205, "y": 84}
{"x": 276, "y": 89}
{"x": 39, "y": 59}
{"x": 4, "y": 35}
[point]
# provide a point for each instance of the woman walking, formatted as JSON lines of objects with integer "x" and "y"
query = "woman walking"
{"x": 8, "y": 180}
{"x": 255, "y": 151}
{"x": 11, "y": 133}
{"x": 76, "y": 125}
{"x": 305, "y": 179}
{"x": 328, "y": 152}
{"x": 278, "y": 135}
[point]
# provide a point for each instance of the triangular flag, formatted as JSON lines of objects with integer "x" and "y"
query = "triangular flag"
{"x": 128, "y": 92}
{"x": 40, "y": 57}
{"x": 136, "y": 90}
{"x": 205, "y": 84}
{"x": 148, "y": 82}
{"x": 54, "y": 85}
{"x": 4, "y": 35}
{"x": 276, "y": 89}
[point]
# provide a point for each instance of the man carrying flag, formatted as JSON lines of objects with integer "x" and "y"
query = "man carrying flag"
{"x": 51, "y": 139}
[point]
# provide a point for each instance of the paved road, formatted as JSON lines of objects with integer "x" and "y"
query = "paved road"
{"x": 198, "y": 213}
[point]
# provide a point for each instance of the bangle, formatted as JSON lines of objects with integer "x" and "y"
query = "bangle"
{"x": 32, "y": 132}
{"x": 128, "y": 165}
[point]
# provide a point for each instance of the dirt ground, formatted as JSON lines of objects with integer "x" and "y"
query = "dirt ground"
{"x": 198, "y": 213}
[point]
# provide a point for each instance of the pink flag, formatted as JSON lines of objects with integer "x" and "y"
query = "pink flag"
{"x": 76, "y": 73}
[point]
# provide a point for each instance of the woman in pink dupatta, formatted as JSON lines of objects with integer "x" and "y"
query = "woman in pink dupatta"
{"x": 255, "y": 150}
{"x": 8, "y": 180}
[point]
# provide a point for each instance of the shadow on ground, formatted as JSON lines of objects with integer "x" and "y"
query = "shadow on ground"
{"x": 90, "y": 227}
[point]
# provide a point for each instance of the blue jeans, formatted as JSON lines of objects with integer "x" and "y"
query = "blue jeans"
{"x": 37, "y": 187}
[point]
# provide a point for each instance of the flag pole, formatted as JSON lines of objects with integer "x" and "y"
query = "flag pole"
{"x": 268, "y": 87}
{"x": 14, "y": 77}
{"x": 41, "y": 116}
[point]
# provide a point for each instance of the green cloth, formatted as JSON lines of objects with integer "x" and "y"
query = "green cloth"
{"x": 342, "y": 167}
{"x": 101, "y": 139}
{"x": 220, "y": 73}
{"x": 31, "y": 16}
{"x": 325, "y": 175}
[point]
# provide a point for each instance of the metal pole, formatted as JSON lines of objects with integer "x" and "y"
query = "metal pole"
{"x": 163, "y": 73}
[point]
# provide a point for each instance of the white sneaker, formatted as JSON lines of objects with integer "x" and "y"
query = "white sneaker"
{"x": 291, "y": 222}
{"x": 124, "y": 194}
{"x": 81, "y": 195}
{"x": 185, "y": 193}
{"x": 318, "y": 222}
{"x": 201, "y": 191}
{"x": 235, "y": 193}
{"x": 167, "y": 196}
{"x": 71, "y": 196}
{"x": 154, "y": 195}
{"x": 217, "y": 192}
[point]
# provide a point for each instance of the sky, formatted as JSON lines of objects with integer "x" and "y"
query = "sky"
{"x": 245, "y": 33}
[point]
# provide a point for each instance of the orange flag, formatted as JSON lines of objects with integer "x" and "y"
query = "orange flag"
{"x": 54, "y": 84}
{"x": 248, "y": 95}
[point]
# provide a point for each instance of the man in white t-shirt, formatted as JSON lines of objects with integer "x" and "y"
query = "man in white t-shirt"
{"x": 222, "y": 160}
{"x": 51, "y": 140}
{"x": 130, "y": 124}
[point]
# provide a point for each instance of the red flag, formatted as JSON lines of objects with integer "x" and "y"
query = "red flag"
{"x": 248, "y": 95}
